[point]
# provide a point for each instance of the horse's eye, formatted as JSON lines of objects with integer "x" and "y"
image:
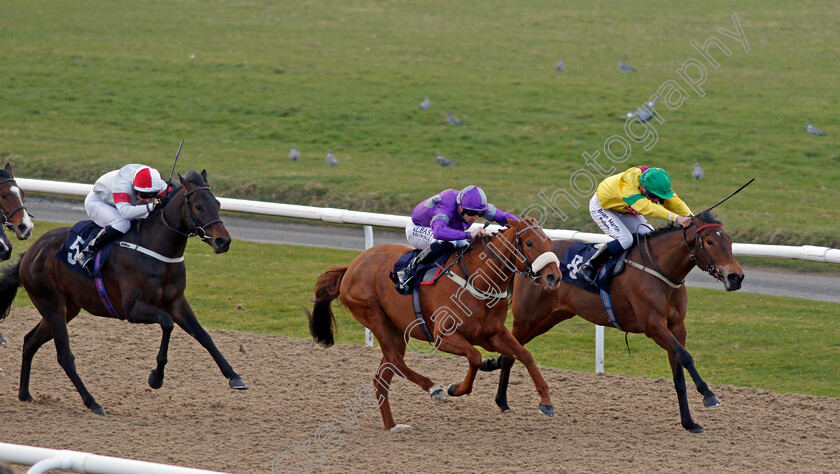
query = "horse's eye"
{"x": 709, "y": 242}
{"x": 198, "y": 208}
{"x": 528, "y": 243}
{"x": 2, "y": 195}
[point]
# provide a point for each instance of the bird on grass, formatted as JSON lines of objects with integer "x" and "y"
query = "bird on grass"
{"x": 560, "y": 66}
{"x": 294, "y": 155}
{"x": 451, "y": 118}
{"x": 625, "y": 68}
{"x": 426, "y": 104}
{"x": 443, "y": 161}
{"x": 331, "y": 159}
{"x": 644, "y": 113}
{"x": 697, "y": 172}
{"x": 813, "y": 130}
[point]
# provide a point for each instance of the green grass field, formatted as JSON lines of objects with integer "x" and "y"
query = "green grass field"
{"x": 781, "y": 344}
{"x": 88, "y": 86}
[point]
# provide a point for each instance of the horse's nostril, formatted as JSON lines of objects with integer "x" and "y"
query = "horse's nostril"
{"x": 222, "y": 242}
{"x": 735, "y": 278}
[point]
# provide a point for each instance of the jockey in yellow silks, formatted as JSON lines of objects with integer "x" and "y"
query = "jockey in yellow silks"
{"x": 620, "y": 205}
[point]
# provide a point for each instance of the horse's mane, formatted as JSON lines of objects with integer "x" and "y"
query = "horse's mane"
{"x": 705, "y": 216}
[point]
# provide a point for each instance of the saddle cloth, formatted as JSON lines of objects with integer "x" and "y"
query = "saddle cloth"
{"x": 579, "y": 253}
{"x": 78, "y": 237}
{"x": 425, "y": 274}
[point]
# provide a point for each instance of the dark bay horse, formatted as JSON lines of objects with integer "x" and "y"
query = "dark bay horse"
{"x": 13, "y": 214}
{"x": 643, "y": 303}
{"x": 457, "y": 318}
{"x": 143, "y": 288}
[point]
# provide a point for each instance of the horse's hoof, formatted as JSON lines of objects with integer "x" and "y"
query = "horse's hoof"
{"x": 400, "y": 428}
{"x": 238, "y": 384}
{"x": 98, "y": 411}
{"x": 451, "y": 390}
{"x": 503, "y": 405}
{"x": 26, "y": 398}
{"x": 437, "y": 394}
{"x": 712, "y": 401}
{"x": 697, "y": 430}
{"x": 155, "y": 381}
{"x": 489, "y": 364}
{"x": 547, "y": 410}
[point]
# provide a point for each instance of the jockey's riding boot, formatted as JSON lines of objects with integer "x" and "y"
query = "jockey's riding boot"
{"x": 429, "y": 254}
{"x": 406, "y": 274}
{"x": 103, "y": 237}
{"x": 589, "y": 270}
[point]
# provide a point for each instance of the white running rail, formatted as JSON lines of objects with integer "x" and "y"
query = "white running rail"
{"x": 43, "y": 460}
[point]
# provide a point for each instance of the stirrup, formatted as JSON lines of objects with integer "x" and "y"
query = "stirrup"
{"x": 84, "y": 259}
{"x": 584, "y": 274}
{"x": 404, "y": 278}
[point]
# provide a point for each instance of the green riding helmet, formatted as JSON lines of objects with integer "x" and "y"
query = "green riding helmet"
{"x": 657, "y": 182}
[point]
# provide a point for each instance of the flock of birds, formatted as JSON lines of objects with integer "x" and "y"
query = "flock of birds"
{"x": 642, "y": 114}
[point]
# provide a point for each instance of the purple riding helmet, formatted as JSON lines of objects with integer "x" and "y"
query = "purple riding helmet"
{"x": 472, "y": 198}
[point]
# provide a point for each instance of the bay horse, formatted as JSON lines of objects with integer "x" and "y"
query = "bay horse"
{"x": 145, "y": 287}
{"x": 13, "y": 214}
{"x": 643, "y": 302}
{"x": 457, "y": 318}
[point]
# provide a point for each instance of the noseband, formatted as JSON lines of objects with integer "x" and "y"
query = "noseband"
{"x": 198, "y": 230}
{"x": 707, "y": 267}
{"x": 7, "y": 216}
{"x": 541, "y": 261}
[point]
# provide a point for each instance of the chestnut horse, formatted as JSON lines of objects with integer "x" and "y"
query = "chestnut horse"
{"x": 457, "y": 318}
{"x": 13, "y": 214}
{"x": 643, "y": 302}
{"x": 145, "y": 285}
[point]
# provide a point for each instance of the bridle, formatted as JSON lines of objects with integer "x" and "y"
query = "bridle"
{"x": 198, "y": 230}
{"x": 7, "y": 216}
{"x": 707, "y": 267}
{"x": 511, "y": 265}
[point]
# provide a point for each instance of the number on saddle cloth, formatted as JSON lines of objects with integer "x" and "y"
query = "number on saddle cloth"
{"x": 425, "y": 274}
{"x": 577, "y": 255}
{"x": 78, "y": 237}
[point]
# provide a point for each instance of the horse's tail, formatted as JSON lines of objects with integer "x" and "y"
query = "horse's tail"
{"x": 322, "y": 319}
{"x": 9, "y": 285}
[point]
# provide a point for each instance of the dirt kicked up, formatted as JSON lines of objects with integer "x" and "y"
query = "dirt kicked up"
{"x": 306, "y": 409}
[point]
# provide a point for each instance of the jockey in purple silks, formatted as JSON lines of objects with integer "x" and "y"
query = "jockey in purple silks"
{"x": 439, "y": 224}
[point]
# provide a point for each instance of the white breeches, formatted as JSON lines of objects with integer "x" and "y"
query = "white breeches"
{"x": 421, "y": 237}
{"x": 618, "y": 225}
{"x": 104, "y": 214}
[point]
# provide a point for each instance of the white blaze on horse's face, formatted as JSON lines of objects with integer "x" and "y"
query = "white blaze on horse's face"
{"x": 25, "y": 221}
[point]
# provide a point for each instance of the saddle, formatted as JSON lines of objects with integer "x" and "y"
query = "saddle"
{"x": 579, "y": 253}
{"x": 78, "y": 237}
{"x": 425, "y": 274}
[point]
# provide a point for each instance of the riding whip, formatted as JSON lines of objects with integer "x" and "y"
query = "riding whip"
{"x": 727, "y": 197}
{"x": 169, "y": 181}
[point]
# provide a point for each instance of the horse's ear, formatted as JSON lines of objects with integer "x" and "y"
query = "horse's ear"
{"x": 181, "y": 179}
{"x": 204, "y": 175}
{"x": 532, "y": 220}
{"x": 9, "y": 167}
